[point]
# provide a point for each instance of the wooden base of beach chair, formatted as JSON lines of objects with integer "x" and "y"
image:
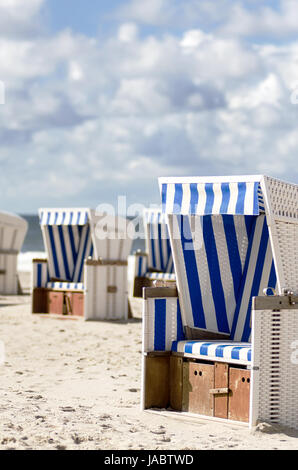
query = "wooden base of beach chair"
{"x": 74, "y": 302}
{"x": 213, "y": 389}
{"x": 39, "y": 300}
{"x": 50, "y": 301}
{"x": 157, "y": 381}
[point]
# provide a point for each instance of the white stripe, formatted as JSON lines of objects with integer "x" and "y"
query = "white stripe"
{"x": 233, "y": 198}
{"x": 170, "y": 198}
{"x": 217, "y": 198}
{"x": 202, "y": 199}
{"x": 182, "y": 284}
{"x": 185, "y": 199}
{"x": 171, "y": 322}
{"x": 249, "y": 198}
{"x": 241, "y": 235}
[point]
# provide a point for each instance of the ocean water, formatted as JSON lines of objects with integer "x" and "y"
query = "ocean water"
{"x": 33, "y": 246}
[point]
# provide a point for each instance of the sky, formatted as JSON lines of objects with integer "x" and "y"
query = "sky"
{"x": 102, "y": 97}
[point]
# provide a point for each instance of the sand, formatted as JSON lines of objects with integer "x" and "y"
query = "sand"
{"x": 70, "y": 384}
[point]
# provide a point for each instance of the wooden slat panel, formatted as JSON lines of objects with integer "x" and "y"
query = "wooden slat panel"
{"x": 221, "y": 380}
{"x": 198, "y": 379}
{"x": 157, "y": 382}
{"x": 176, "y": 382}
{"x": 239, "y": 385}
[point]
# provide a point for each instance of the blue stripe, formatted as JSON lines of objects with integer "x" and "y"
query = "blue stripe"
{"x": 188, "y": 347}
{"x": 256, "y": 209}
{"x": 174, "y": 346}
{"x": 73, "y": 248}
{"x": 162, "y": 265}
{"x": 215, "y": 277}
{"x": 226, "y": 194}
{"x": 140, "y": 266}
{"x": 164, "y": 190}
{"x": 219, "y": 351}
{"x": 235, "y": 354}
{"x": 39, "y": 275}
{"x": 152, "y": 247}
{"x": 194, "y": 198}
{"x": 209, "y": 198}
{"x": 83, "y": 255}
{"x": 233, "y": 251}
{"x": 63, "y": 249}
{"x": 54, "y": 253}
{"x": 241, "y": 198}
{"x": 160, "y": 325}
{"x": 204, "y": 349}
{"x": 272, "y": 278}
{"x": 192, "y": 273}
{"x": 178, "y": 198}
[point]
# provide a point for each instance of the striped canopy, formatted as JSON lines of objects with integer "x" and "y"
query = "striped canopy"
{"x": 68, "y": 242}
{"x": 72, "y": 235}
{"x": 64, "y": 217}
{"x": 157, "y": 241}
{"x": 222, "y": 250}
{"x": 211, "y": 196}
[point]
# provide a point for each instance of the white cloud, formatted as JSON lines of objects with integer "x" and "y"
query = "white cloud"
{"x": 128, "y": 32}
{"x": 87, "y": 119}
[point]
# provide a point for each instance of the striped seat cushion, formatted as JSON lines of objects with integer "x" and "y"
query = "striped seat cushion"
{"x": 225, "y": 351}
{"x": 65, "y": 285}
{"x": 161, "y": 276}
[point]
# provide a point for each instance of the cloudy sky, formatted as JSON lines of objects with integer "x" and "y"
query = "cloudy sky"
{"x": 102, "y": 97}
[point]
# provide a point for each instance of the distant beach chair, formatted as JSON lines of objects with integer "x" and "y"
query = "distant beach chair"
{"x": 85, "y": 272}
{"x": 13, "y": 230}
{"x": 156, "y": 264}
{"x": 217, "y": 346}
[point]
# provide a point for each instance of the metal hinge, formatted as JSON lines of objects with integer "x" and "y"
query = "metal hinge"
{"x": 292, "y": 297}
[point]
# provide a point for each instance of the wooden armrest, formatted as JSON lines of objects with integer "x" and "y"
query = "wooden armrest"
{"x": 203, "y": 334}
{"x": 159, "y": 292}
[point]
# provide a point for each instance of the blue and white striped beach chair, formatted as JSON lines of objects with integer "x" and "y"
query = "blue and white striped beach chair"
{"x": 71, "y": 237}
{"x": 156, "y": 264}
{"x": 228, "y": 238}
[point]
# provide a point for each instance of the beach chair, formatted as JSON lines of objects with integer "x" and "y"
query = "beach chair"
{"x": 155, "y": 265}
{"x": 85, "y": 273}
{"x": 13, "y": 230}
{"x": 208, "y": 350}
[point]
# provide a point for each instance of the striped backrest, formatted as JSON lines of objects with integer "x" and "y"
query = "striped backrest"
{"x": 221, "y": 262}
{"x": 68, "y": 242}
{"x": 157, "y": 241}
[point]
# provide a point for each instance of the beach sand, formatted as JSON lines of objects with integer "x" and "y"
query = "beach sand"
{"x": 70, "y": 384}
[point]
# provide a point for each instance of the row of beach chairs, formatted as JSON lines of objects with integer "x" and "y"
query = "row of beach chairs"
{"x": 219, "y": 281}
